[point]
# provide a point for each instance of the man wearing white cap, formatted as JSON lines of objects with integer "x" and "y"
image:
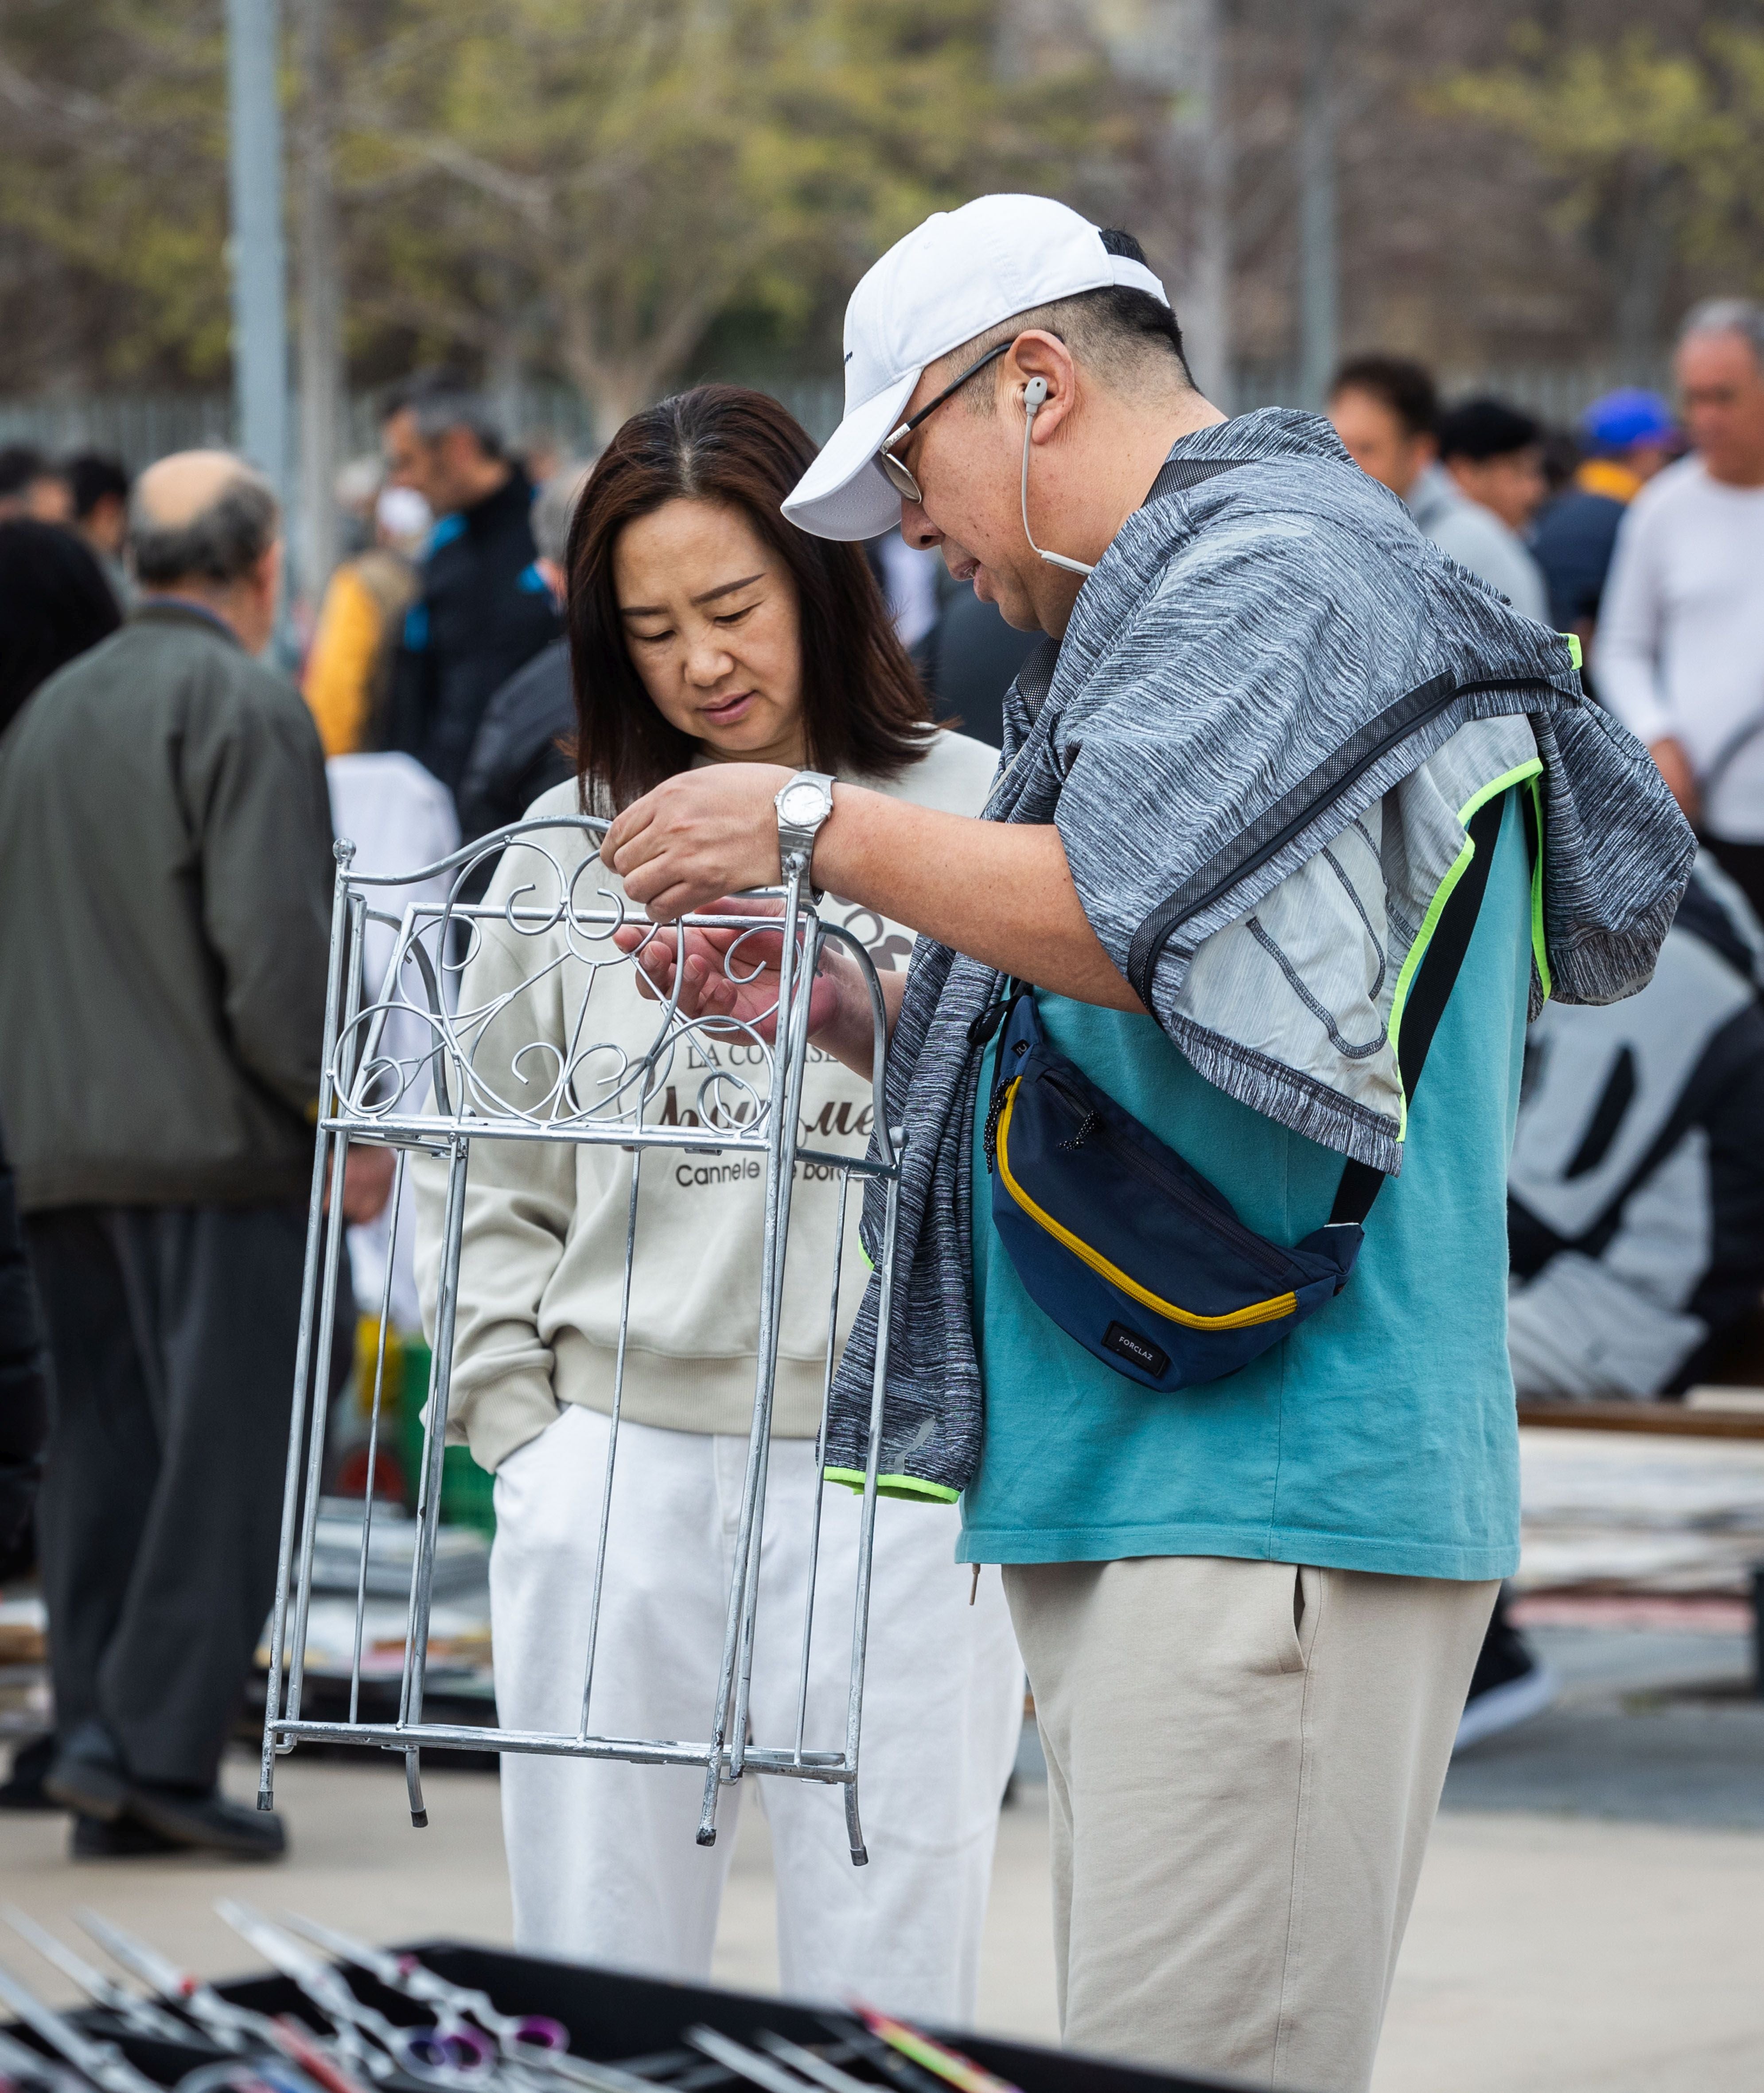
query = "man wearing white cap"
{"x": 1266, "y": 797}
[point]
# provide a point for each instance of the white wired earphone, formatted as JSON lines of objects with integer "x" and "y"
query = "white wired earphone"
{"x": 1034, "y": 396}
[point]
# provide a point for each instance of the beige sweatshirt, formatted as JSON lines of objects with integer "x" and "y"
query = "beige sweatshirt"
{"x": 543, "y": 1261}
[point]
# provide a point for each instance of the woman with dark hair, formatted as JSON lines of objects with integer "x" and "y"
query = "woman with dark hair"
{"x": 54, "y": 603}
{"x": 703, "y": 629}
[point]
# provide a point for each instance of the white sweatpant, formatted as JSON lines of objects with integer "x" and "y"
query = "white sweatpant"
{"x": 602, "y": 1857}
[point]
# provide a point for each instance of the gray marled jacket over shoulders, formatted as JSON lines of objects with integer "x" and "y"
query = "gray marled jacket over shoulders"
{"x": 1259, "y": 738}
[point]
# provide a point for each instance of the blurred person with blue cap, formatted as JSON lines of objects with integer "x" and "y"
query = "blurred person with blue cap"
{"x": 1268, "y": 785}
{"x": 1629, "y": 435}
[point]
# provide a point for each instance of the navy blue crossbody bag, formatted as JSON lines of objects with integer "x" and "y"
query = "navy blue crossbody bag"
{"x": 1134, "y": 1254}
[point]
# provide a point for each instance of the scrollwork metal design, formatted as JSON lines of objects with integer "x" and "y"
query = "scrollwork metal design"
{"x": 508, "y": 1011}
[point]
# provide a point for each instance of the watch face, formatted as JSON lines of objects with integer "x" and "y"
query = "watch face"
{"x": 802, "y": 803}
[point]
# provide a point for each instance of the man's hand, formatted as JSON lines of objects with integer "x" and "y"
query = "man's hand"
{"x": 697, "y": 837}
{"x": 1000, "y": 892}
{"x": 1675, "y": 767}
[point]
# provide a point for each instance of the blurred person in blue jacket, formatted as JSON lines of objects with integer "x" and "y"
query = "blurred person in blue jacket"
{"x": 1629, "y": 435}
{"x": 485, "y": 608}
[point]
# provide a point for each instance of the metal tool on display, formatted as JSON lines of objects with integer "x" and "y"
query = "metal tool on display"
{"x": 811, "y": 2064}
{"x": 100, "y": 2062}
{"x": 470, "y": 2046}
{"x": 919, "y": 2048}
{"x": 364, "y": 2037}
{"x": 228, "y": 2026}
{"x": 24, "y": 2070}
{"x": 536, "y": 2044}
{"x": 401, "y": 1070}
{"x": 138, "y": 2015}
{"x": 745, "y": 2063}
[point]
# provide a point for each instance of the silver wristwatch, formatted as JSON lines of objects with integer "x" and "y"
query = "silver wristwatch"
{"x": 802, "y": 804}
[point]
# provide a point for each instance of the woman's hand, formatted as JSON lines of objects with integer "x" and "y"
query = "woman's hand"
{"x": 699, "y": 836}
{"x": 733, "y": 975}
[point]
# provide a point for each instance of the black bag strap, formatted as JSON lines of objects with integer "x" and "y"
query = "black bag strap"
{"x": 1428, "y": 996}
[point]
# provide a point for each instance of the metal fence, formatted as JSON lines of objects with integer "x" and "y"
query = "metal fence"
{"x": 138, "y": 428}
{"x": 1557, "y": 393}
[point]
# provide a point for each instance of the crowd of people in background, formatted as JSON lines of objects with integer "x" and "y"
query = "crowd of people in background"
{"x": 435, "y": 669}
{"x": 1636, "y": 1186}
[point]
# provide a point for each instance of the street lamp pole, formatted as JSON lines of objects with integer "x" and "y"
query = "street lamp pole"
{"x": 259, "y": 262}
{"x": 1320, "y": 263}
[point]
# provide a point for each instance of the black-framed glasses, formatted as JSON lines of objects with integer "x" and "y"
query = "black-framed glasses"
{"x": 899, "y": 476}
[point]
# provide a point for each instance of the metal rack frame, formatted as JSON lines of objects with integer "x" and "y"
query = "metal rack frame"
{"x": 431, "y": 1099}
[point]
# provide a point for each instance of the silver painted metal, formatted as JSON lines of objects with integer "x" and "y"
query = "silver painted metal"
{"x": 407, "y": 1066}
{"x": 138, "y": 2015}
{"x": 100, "y": 2061}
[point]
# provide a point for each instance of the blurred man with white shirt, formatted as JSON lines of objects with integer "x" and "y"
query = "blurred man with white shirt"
{"x": 1681, "y": 649}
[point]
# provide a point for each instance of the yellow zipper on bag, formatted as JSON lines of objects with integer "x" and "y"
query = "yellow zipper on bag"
{"x": 1239, "y": 1319}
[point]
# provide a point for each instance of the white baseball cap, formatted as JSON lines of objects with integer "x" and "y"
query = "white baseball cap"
{"x": 956, "y": 276}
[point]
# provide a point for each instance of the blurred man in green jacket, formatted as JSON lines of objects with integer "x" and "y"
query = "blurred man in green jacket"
{"x": 165, "y": 847}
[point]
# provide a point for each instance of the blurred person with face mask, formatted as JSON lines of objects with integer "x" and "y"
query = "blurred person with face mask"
{"x": 1386, "y": 412}
{"x": 485, "y": 608}
{"x": 1629, "y": 436}
{"x": 1680, "y": 655}
{"x": 347, "y": 680}
{"x": 519, "y": 750}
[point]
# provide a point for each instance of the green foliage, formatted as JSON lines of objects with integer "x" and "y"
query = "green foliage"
{"x": 582, "y": 186}
{"x": 599, "y": 179}
{"x": 1676, "y": 133}
{"x": 113, "y": 162}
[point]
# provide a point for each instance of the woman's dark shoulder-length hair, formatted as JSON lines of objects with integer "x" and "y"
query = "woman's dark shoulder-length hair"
{"x": 865, "y": 710}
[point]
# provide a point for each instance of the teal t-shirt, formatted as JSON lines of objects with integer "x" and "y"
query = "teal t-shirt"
{"x": 1381, "y": 1434}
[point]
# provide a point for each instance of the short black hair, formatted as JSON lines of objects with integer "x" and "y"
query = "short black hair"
{"x": 1406, "y": 387}
{"x": 1106, "y": 327}
{"x": 1130, "y": 312}
{"x": 54, "y": 603}
{"x": 442, "y": 398}
{"x": 1484, "y": 428}
{"x": 93, "y": 475}
{"x": 20, "y": 465}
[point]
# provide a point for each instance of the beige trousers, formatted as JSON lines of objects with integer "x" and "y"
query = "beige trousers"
{"x": 1244, "y": 1760}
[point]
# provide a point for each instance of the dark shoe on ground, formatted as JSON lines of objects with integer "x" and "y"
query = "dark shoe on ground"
{"x": 94, "y": 1839}
{"x": 208, "y": 1822}
{"x": 1508, "y": 1687}
{"x": 86, "y": 1775}
{"x": 25, "y": 1789}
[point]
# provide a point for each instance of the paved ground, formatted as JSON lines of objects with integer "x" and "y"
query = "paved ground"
{"x": 1588, "y": 1922}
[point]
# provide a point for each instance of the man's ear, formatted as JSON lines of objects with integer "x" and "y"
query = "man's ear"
{"x": 1036, "y": 355}
{"x": 267, "y": 571}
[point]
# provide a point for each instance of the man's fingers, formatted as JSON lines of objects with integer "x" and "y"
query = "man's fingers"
{"x": 636, "y": 817}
